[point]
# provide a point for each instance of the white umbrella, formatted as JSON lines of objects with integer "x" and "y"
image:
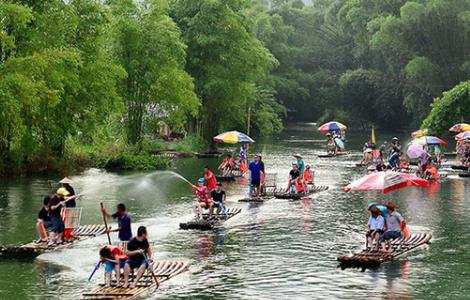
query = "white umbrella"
{"x": 415, "y": 151}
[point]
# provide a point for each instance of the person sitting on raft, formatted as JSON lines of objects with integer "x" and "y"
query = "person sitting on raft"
{"x": 217, "y": 196}
{"x": 226, "y": 166}
{"x": 43, "y": 220}
{"x": 295, "y": 179}
{"x": 203, "y": 200}
{"x": 393, "y": 230}
{"x": 375, "y": 228}
{"x": 330, "y": 145}
{"x": 236, "y": 163}
{"x": 383, "y": 209}
{"x": 380, "y": 166}
{"x": 422, "y": 164}
{"x": 368, "y": 158}
{"x": 114, "y": 259}
{"x": 136, "y": 249}
{"x": 308, "y": 175}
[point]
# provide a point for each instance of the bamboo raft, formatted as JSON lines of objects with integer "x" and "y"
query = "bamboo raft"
{"x": 459, "y": 167}
{"x": 332, "y": 155}
{"x": 399, "y": 245}
{"x": 256, "y": 200}
{"x": 464, "y": 174}
{"x": 164, "y": 270}
{"x": 208, "y": 155}
{"x": 206, "y": 224}
{"x": 313, "y": 190}
{"x": 32, "y": 248}
{"x": 450, "y": 154}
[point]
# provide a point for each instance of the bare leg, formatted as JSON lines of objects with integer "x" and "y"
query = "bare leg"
{"x": 139, "y": 275}
{"x": 39, "y": 229}
{"x": 195, "y": 208}
{"x": 211, "y": 210}
{"x": 390, "y": 250}
{"x": 218, "y": 211}
{"x": 369, "y": 241}
{"x": 127, "y": 271}
{"x": 108, "y": 279}
{"x": 118, "y": 274}
{"x": 52, "y": 237}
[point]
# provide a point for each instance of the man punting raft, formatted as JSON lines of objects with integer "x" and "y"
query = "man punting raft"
{"x": 124, "y": 222}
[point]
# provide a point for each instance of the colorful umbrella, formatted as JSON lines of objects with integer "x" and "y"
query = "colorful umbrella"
{"x": 429, "y": 140}
{"x": 331, "y": 126}
{"x": 462, "y": 136}
{"x": 419, "y": 133}
{"x": 460, "y": 127}
{"x": 415, "y": 150}
{"x": 233, "y": 137}
{"x": 386, "y": 182}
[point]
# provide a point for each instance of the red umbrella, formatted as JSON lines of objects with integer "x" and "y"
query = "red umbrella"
{"x": 386, "y": 182}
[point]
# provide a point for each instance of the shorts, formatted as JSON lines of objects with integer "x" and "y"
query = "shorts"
{"x": 112, "y": 267}
{"x": 47, "y": 224}
{"x": 57, "y": 225}
{"x": 380, "y": 232}
{"x": 255, "y": 182}
{"x": 207, "y": 203}
{"x": 389, "y": 235}
{"x": 423, "y": 167}
{"x": 134, "y": 264}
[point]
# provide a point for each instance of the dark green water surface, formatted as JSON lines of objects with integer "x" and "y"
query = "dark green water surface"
{"x": 275, "y": 250}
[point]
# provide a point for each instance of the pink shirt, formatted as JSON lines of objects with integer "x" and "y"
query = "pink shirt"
{"x": 201, "y": 192}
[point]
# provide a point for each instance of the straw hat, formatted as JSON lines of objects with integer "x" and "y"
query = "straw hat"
{"x": 298, "y": 155}
{"x": 391, "y": 205}
{"x": 369, "y": 150}
{"x": 65, "y": 180}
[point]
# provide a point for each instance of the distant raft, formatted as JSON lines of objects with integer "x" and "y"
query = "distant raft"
{"x": 205, "y": 224}
{"x": 291, "y": 196}
{"x": 400, "y": 246}
{"x": 32, "y": 248}
{"x": 164, "y": 270}
{"x": 459, "y": 167}
{"x": 261, "y": 199}
{"x": 332, "y": 155}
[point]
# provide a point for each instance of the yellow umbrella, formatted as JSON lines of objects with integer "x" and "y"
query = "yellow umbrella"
{"x": 460, "y": 127}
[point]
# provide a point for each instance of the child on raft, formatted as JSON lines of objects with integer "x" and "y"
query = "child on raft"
{"x": 203, "y": 199}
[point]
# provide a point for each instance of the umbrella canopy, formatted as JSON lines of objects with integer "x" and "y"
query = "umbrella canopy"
{"x": 331, "y": 126}
{"x": 339, "y": 143}
{"x": 460, "y": 127}
{"x": 386, "y": 182}
{"x": 233, "y": 137}
{"x": 429, "y": 140}
{"x": 419, "y": 133}
{"x": 462, "y": 136}
{"x": 415, "y": 151}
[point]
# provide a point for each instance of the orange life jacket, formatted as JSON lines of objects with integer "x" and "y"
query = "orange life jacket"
{"x": 308, "y": 175}
{"x": 433, "y": 172}
{"x": 243, "y": 167}
{"x": 115, "y": 250}
{"x": 227, "y": 162}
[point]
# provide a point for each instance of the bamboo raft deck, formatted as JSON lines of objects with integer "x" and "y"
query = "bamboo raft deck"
{"x": 256, "y": 200}
{"x": 399, "y": 246}
{"x": 313, "y": 190}
{"x": 164, "y": 270}
{"x": 32, "y": 248}
{"x": 207, "y": 225}
{"x": 332, "y": 155}
{"x": 464, "y": 174}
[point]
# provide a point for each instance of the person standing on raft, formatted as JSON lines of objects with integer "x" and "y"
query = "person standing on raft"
{"x": 43, "y": 220}
{"x": 300, "y": 162}
{"x": 124, "y": 222}
{"x": 203, "y": 199}
{"x": 394, "y": 230}
{"x": 255, "y": 175}
{"x": 58, "y": 226}
{"x": 209, "y": 177}
{"x": 69, "y": 204}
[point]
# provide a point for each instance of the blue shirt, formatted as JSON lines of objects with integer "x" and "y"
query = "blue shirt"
{"x": 376, "y": 223}
{"x": 255, "y": 170}
{"x": 300, "y": 165}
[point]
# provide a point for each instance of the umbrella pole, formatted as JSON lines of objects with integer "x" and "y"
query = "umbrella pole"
{"x": 248, "y": 132}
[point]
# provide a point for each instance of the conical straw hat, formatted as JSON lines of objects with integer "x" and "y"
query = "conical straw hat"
{"x": 65, "y": 180}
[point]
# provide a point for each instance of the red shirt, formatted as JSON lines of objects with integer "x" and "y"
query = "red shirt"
{"x": 212, "y": 182}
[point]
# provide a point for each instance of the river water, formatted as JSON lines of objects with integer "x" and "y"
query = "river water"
{"x": 275, "y": 250}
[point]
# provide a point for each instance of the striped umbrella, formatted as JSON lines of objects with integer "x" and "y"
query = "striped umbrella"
{"x": 462, "y": 136}
{"x": 386, "y": 182}
{"x": 419, "y": 133}
{"x": 460, "y": 127}
{"x": 331, "y": 126}
{"x": 233, "y": 137}
{"x": 430, "y": 141}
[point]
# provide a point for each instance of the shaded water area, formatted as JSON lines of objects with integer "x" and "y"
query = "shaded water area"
{"x": 275, "y": 250}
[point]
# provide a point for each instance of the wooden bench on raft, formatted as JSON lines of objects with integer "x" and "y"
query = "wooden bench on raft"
{"x": 206, "y": 224}
{"x": 35, "y": 249}
{"x": 400, "y": 245}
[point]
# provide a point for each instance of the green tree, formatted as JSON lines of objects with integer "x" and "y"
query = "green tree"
{"x": 147, "y": 44}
